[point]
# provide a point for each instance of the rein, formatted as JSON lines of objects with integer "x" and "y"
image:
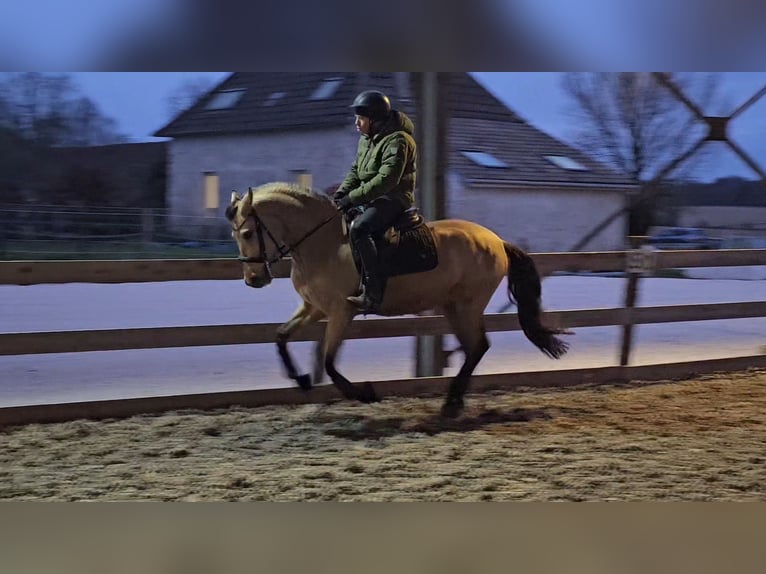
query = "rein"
{"x": 282, "y": 249}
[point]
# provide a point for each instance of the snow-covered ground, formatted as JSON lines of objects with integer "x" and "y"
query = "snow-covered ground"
{"x": 33, "y": 379}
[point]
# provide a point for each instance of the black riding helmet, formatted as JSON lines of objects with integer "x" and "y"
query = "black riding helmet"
{"x": 372, "y": 104}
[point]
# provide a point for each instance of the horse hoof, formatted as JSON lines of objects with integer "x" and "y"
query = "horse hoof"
{"x": 451, "y": 410}
{"x": 368, "y": 394}
{"x": 304, "y": 382}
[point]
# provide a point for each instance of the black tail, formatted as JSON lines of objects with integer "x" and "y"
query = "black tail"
{"x": 524, "y": 288}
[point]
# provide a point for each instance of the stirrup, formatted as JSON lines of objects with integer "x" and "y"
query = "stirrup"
{"x": 363, "y": 302}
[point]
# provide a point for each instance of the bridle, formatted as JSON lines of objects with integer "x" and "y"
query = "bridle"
{"x": 282, "y": 250}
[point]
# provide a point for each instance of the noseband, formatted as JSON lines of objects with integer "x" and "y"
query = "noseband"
{"x": 282, "y": 250}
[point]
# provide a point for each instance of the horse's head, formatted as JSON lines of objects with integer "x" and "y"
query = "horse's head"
{"x": 247, "y": 230}
{"x": 276, "y": 220}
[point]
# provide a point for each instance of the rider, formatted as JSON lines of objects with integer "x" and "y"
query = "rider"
{"x": 382, "y": 179}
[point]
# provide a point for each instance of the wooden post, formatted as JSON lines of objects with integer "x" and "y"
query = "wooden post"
{"x": 431, "y": 124}
{"x": 147, "y": 226}
{"x": 631, "y": 293}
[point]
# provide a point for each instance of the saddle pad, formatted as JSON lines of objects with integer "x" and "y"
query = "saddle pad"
{"x": 413, "y": 251}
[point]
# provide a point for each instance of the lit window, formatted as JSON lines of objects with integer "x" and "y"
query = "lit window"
{"x": 212, "y": 195}
{"x": 304, "y": 180}
{"x": 484, "y": 159}
{"x": 225, "y": 99}
{"x": 565, "y": 162}
{"x": 327, "y": 88}
{"x": 274, "y": 98}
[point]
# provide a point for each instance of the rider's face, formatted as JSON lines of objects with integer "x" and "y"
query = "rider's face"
{"x": 362, "y": 125}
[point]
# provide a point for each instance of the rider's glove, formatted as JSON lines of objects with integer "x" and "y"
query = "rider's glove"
{"x": 343, "y": 203}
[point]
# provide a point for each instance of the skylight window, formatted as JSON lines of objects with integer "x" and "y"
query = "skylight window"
{"x": 225, "y": 99}
{"x": 484, "y": 159}
{"x": 565, "y": 162}
{"x": 274, "y": 98}
{"x": 326, "y": 89}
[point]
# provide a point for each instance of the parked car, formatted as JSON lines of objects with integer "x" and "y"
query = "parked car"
{"x": 683, "y": 238}
{"x": 744, "y": 243}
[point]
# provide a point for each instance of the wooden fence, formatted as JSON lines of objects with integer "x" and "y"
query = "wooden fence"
{"x": 51, "y": 272}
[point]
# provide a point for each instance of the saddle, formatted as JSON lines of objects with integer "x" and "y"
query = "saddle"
{"x": 406, "y": 247}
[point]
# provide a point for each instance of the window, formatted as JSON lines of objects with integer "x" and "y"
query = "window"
{"x": 303, "y": 178}
{"x": 484, "y": 159}
{"x": 274, "y": 98}
{"x": 211, "y": 190}
{"x": 565, "y": 162}
{"x": 326, "y": 89}
{"x": 225, "y": 99}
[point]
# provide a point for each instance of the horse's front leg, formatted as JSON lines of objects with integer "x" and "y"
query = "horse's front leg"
{"x": 337, "y": 323}
{"x": 306, "y": 314}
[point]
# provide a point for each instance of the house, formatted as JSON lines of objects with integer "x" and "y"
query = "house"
{"x": 125, "y": 175}
{"x": 20, "y": 170}
{"x": 256, "y": 127}
{"x": 727, "y": 208}
{"x": 732, "y": 209}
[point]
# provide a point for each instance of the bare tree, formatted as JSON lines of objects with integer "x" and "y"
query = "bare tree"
{"x": 635, "y": 124}
{"x": 631, "y": 122}
{"x": 36, "y": 105}
{"x": 49, "y": 110}
{"x": 87, "y": 126}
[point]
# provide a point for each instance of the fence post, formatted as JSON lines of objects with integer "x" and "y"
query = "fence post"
{"x": 634, "y": 271}
{"x": 6, "y": 223}
{"x": 147, "y": 226}
{"x": 432, "y": 125}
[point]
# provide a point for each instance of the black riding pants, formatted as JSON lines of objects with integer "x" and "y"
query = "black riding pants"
{"x": 376, "y": 218}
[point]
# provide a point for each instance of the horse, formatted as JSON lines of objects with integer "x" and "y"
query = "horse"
{"x": 276, "y": 220}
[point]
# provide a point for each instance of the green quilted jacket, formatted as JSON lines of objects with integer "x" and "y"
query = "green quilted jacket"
{"x": 384, "y": 164}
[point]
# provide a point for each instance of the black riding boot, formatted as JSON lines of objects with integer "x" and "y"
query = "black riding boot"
{"x": 374, "y": 283}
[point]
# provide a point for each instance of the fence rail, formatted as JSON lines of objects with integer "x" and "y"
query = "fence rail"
{"x": 54, "y": 272}
{"x": 36, "y": 272}
{"x": 149, "y": 270}
{"x": 422, "y": 386}
{"x": 212, "y": 335}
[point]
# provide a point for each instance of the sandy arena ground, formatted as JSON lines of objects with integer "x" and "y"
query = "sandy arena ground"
{"x": 703, "y": 439}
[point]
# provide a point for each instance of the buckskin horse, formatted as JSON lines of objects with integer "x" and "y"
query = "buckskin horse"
{"x": 468, "y": 262}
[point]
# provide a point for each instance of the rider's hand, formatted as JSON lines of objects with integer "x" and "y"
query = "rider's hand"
{"x": 343, "y": 203}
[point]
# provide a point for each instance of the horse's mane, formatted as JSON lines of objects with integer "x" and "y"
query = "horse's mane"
{"x": 294, "y": 190}
{"x": 278, "y": 191}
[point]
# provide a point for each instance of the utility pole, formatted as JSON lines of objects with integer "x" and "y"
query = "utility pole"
{"x": 431, "y": 127}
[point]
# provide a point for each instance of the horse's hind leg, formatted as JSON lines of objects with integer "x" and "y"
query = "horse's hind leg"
{"x": 317, "y": 374}
{"x": 306, "y": 314}
{"x": 468, "y": 325}
{"x": 334, "y": 334}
